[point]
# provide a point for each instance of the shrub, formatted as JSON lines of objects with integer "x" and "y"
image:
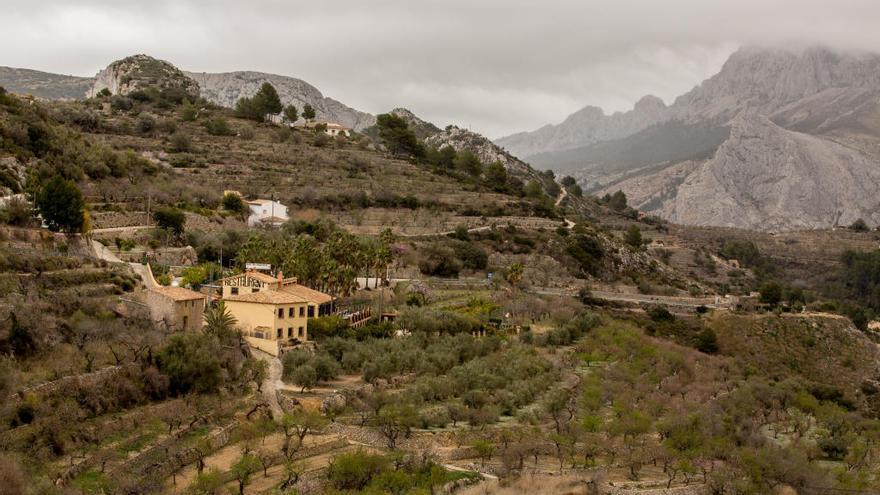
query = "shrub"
{"x": 218, "y": 126}
{"x": 355, "y": 470}
{"x": 170, "y": 219}
{"x": 180, "y": 142}
{"x": 707, "y": 341}
{"x": 234, "y": 203}
{"x": 440, "y": 261}
{"x": 190, "y": 360}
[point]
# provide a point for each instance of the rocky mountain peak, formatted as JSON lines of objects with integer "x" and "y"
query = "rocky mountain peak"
{"x": 649, "y": 103}
{"x": 768, "y": 79}
{"x": 142, "y": 72}
{"x": 423, "y": 129}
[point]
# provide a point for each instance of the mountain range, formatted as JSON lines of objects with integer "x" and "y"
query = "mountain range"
{"x": 222, "y": 89}
{"x": 779, "y": 139}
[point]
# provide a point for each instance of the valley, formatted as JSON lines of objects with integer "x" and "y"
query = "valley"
{"x": 202, "y": 299}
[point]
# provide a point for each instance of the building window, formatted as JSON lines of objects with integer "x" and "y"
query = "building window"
{"x": 300, "y": 332}
{"x": 289, "y": 332}
{"x": 280, "y": 333}
{"x": 281, "y": 312}
{"x": 234, "y": 291}
{"x": 302, "y": 311}
{"x": 256, "y": 289}
{"x": 290, "y": 312}
{"x": 311, "y": 311}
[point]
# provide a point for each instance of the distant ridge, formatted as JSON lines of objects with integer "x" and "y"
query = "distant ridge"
{"x": 779, "y": 139}
{"x": 220, "y": 88}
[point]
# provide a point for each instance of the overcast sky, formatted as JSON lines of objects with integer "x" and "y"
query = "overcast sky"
{"x": 496, "y": 66}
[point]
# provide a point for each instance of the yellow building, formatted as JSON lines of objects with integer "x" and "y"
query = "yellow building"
{"x": 175, "y": 307}
{"x": 273, "y": 312}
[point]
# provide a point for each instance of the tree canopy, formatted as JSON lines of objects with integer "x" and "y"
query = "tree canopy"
{"x": 264, "y": 102}
{"x": 398, "y": 138}
{"x": 61, "y": 205}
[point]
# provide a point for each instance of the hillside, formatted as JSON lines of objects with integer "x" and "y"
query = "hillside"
{"x": 226, "y": 88}
{"x": 536, "y": 331}
{"x": 44, "y": 84}
{"x": 223, "y": 89}
{"x": 824, "y": 108}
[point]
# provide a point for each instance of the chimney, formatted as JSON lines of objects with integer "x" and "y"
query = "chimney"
{"x": 280, "y": 275}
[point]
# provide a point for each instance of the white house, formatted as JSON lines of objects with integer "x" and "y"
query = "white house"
{"x": 329, "y": 128}
{"x": 265, "y": 212}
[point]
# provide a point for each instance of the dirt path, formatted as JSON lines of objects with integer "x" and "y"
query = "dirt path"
{"x": 121, "y": 230}
{"x": 144, "y": 271}
{"x": 562, "y": 195}
{"x": 448, "y": 232}
{"x": 102, "y": 253}
{"x": 272, "y": 383}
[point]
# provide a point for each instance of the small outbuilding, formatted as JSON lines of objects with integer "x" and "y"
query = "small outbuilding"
{"x": 179, "y": 309}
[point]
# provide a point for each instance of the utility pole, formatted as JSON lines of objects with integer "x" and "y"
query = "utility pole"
{"x": 149, "y": 198}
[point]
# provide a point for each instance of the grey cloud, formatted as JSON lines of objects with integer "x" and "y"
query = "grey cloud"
{"x": 497, "y": 66}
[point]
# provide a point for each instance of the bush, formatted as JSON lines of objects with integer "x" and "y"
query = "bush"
{"x": 18, "y": 212}
{"x": 355, "y": 470}
{"x": 440, "y": 261}
{"x": 191, "y": 362}
{"x": 218, "y": 126}
{"x": 707, "y": 341}
{"x": 170, "y": 219}
{"x": 180, "y": 142}
{"x": 234, "y": 203}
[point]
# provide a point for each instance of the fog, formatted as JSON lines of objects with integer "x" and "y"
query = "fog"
{"x": 494, "y": 66}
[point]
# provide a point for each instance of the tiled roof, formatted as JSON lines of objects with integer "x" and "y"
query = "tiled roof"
{"x": 306, "y": 293}
{"x": 178, "y": 293}
{"x": 267, "y": 297}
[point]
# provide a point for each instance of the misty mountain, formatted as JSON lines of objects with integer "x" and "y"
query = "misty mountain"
{"x": 777, "y": 140}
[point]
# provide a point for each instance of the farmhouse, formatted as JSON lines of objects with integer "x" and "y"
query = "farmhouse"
{"x": 266, "y": 213}
{"x": 178, "y": 308}
{"x": 273, "y": 312}
{"x": 329, "y": 128}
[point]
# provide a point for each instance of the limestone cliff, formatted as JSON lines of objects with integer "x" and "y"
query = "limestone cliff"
{"x": 140, "y": 73}
{"x": 226, "y": 88}
{"x": 764, "y": 177}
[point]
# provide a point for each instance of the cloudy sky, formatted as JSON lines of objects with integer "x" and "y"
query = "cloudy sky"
{"x": 496, "y": 66}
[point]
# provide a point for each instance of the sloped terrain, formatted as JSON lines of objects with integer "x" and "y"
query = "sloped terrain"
{"x": 766, "y": 178}
{"x": 826, "y": 99}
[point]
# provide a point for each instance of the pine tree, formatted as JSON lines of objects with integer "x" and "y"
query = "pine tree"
{"x": 290, "y": 113}
{"x": 61, "y": 205}
{"x": 308, "y": 112}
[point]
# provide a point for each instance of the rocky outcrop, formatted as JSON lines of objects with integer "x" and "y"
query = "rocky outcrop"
{"x": 140, "y": 73}
{"x": 421, "y": 128}
{"x": 487, "y": 151}
{"x": 226, "y": 88}
{"x": 766, "y": 178}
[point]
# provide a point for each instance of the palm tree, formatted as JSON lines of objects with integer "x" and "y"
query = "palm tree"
{"x": 220, "y": 323}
